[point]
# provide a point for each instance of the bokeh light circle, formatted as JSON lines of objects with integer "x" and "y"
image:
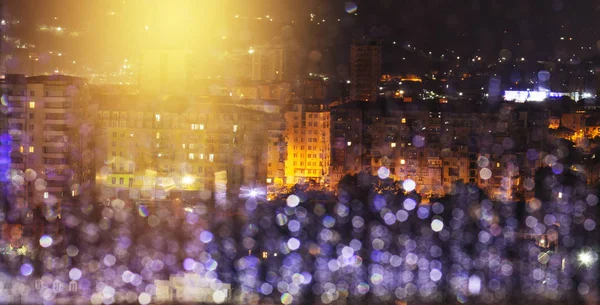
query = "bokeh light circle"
{"x": 144, "y": 298}
{"x": 437, "y": 225}
{"x": 26, "y": 269}
{"x": 350, "y": 7}
{"x": 383, "y": 172}
{"x": 75, "y": 274}
{"x": 485, "y": 173}
{"x": 45, "y": 241}
{"x": 292, "y": 201}
{"x": 409, "y": 185}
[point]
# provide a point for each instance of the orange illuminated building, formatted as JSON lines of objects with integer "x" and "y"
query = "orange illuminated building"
{"x": 308, "y": 143}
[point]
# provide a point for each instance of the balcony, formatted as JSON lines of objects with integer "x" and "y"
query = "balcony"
{"x": 16, "y": 105}
{"x": 57, "y": 105}
{"x": 56, "y": 127}
{"x": 55, "y": 121}
{"x": 54, "y": 99}
{"x": 54, "y": 133}
{"x": 59, "y": 143}
{"x": 56, "y": 155}
{"x": 55, "y": 150}
{"x": 16, "y": 98}
{"x": 57, "y": 189}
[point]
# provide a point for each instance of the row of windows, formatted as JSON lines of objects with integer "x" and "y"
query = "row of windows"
{"x": 317, "y": 115}
{"x": 309, "y": 163}
{"x": 121, "y": 181}
{"x": 309, "y": 131}
{"x": 307, "y": 171}
{"x": 310, "y": 140}
{"x": 309, "y": 147}
{"x": 59, "y": 93}
{"x": 308, "y": 155}
{"x": 192, "y": 156}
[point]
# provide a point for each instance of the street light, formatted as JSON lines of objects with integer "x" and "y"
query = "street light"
{"x": 586, "y": 258}
{"x": 187, "y": 180}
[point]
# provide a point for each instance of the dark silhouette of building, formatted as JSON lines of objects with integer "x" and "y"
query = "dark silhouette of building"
{"x": 365, "y": 69}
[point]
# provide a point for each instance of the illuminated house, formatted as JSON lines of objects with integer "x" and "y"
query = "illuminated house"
{"x": 307, "y": 135}
{"x": 153, "y": 149}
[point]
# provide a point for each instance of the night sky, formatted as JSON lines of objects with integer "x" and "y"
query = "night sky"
{"x": 529, "y": 28}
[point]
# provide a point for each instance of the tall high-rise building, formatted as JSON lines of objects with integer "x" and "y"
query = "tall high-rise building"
{"x": 268, "y": 63}
{"x": 365, "y": 69}
{"x": 314, "y": 88}
{"x": 50, "y": 128}
{"x": 308, "y": 143}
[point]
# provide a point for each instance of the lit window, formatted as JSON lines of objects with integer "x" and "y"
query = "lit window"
{"x": 235, "y": 128}
{"x": 393, "y": 144}
{"x": 269, "y": 180}
{"x": 402, "y": 161}
{"x": 46, "y": 195}
{"x": 403, "y": 120}
{"x": 21, "y": 149}
{"x": 157, "y": 117}
{"x": 32, "y": 104}
{"x": 197, "y": 127}
{"x": 31, "y": 149}
{"x": 211, "y": 157}
{"x": 497, "y": 164}
{"x": 201, "y": 156}
{"x": 349, "y": 143}
{"x": 183, "y": 146}
{"x": 191, "y": 156}
{"x": 158, "y": 135}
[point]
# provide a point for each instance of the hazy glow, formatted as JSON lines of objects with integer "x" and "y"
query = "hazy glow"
{"x": 188, "y": 180}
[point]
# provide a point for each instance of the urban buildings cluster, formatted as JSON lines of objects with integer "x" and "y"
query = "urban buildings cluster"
{"x": 66, "y": 142}
{"x": 267, "y": 132}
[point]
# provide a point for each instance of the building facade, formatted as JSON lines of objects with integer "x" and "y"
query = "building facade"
{"x": 365, "y": 69}
{"x": 155, "y": 149}
{"x": 50, "y": 129}
{"x": 307, "y": 135}
{"x": 438, "y": 145}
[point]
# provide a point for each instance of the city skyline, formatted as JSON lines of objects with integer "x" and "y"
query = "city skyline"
{"x": 327, "y": 152}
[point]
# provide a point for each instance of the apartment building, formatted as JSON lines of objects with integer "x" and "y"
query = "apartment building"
{"x": 50, "y": 131}
{"x": 307, "y": 135}
{"x": 154, "y": 149}
{"x": 437, "y": 145}
{"x": 365, "y": 69}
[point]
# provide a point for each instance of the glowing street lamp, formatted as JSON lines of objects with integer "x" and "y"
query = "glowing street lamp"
{"x": 252, "y": 192}
{"x": 587, "y": 258}
{"x": 187, "y": 180}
